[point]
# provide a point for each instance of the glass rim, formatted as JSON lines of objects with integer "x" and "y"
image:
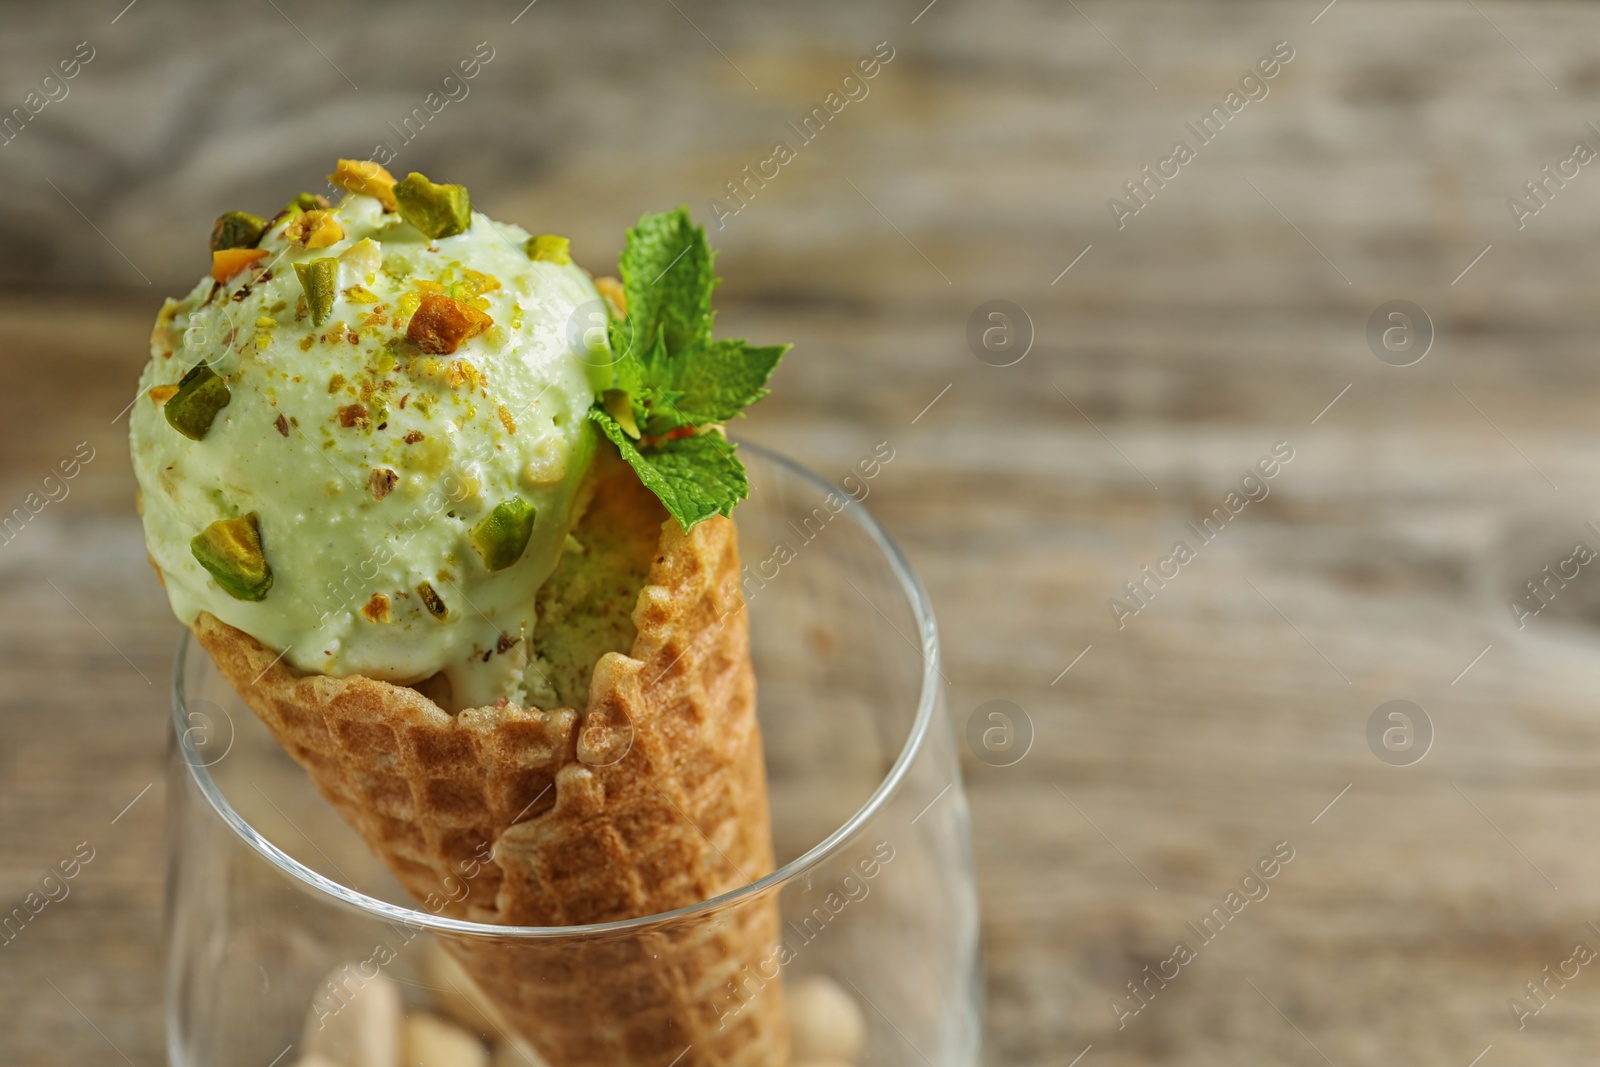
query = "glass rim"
{"x": 927, "y": 701}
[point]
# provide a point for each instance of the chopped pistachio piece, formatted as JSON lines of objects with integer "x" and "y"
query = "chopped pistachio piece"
{"x": 302, "y": 203}
{"x": 441, "y": 324}
{"x": 320, "y": 279}
{"x": 549, "y": 248}
{"x": 314, "y": 229}
{"x": 376, "y": 609}
{"x": 231, "y": 550}
{"x": 363, "y": 258}
{"x": 438, "y": 210}
{"x": 382, "y": 482}
{"x": 431, "y": 601}
{"x": 502, "y": 535}
{"x": 365, "y": 178}
{"x": 237, "y": 229}
{"x": 619, "y": 405}
{"x": 201, "y": 394}
{"x": 228, "y": 262}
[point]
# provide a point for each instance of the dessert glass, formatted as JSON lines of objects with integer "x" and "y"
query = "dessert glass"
{"x": 277, "y": 913}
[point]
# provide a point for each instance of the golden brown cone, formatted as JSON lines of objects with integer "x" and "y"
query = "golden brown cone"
{"x": 659, "y": 801}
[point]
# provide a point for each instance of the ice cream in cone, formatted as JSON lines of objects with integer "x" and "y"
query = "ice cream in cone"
{"x": 453, "y": 520}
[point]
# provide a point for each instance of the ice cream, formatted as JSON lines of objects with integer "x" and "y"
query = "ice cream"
{"x": 453, "y": 520}
{"x": 365, "y": 447}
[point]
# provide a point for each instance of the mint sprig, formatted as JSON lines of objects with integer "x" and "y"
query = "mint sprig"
{"x": 678, "y": 383}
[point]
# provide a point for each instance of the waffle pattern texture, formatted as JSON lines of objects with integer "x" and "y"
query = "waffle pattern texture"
{"x": 652, "y": 798}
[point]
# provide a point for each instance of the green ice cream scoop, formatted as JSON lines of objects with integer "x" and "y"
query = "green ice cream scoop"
{"x": 364, "y": 446}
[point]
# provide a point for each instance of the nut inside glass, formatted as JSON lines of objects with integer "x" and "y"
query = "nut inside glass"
{"x": 278, "y": 914}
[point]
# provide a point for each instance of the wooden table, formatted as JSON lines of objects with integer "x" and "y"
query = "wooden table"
{"x": 1171, "y": 753}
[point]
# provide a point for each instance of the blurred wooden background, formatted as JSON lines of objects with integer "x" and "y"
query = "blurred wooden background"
{"x": 1225, "y": 317}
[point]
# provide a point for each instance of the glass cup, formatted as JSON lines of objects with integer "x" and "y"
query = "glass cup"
{"x": 286, "y": 935}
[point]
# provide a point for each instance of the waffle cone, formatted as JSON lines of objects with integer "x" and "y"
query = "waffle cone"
{"x": 652, "y": 798}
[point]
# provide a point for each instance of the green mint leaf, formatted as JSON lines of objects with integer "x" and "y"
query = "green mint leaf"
{"x": 661, "y": 411}
{"x": 627, "y": 364}
{"x": 668, "y": 278}
{"x": 715, "y": 379}
{"x": 671, "y": 376}
{"x": 707, "y": 478}
{"x": 694, "y": 477}
{"x": 619, "y": 335}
